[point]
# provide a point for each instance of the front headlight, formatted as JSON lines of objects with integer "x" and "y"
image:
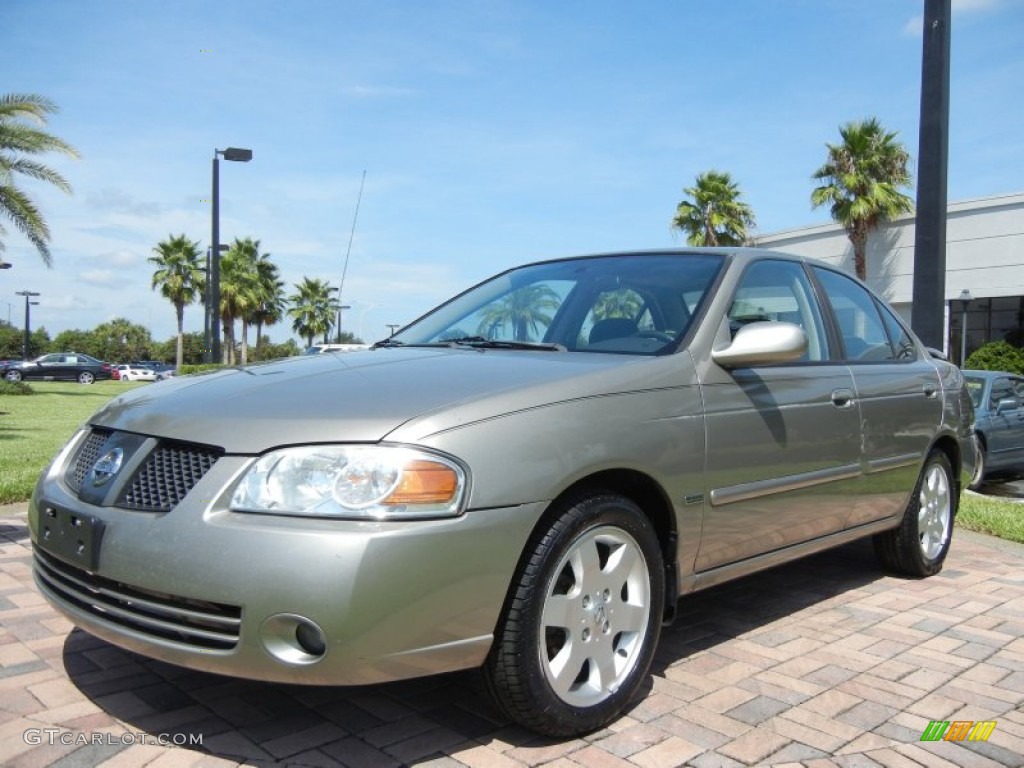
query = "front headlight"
{"x": 355, "y": 482}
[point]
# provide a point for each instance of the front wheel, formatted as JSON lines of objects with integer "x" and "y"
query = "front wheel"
{"x": 13, "y": 376}
{"x": 582, "y": 621}
{"x": 86, "y": 377}
{"x": 918, "y": 547}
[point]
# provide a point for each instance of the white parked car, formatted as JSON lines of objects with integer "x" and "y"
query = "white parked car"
{"x": 134, "y": 373}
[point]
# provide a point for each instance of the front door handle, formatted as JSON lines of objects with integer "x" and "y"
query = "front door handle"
{"x": 930, "y": 390}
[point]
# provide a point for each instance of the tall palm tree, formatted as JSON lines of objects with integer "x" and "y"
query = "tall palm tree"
{"x": 313, "y": 309}
{"x": 716, "y": 215}
{"x": 19, "y": 139}
{"x": 861, "y": 182}
{"x": 239, "y": 293}
{"x": 525, "y": 310}
{"x": 180, "y": 277}
{"x": 270, "y": 290}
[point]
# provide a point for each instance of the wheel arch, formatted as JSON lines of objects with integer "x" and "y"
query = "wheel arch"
{"x": 951, "y": 448}
{"x": 647, "y": 494}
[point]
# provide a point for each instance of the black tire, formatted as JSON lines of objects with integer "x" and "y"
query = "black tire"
{"x": 918, "y": 547}
{"x": 14, "y": 376}
{"x": 86, "y": 377}
{"x": 979, "y": 471}
{"x": 595, "y": 571}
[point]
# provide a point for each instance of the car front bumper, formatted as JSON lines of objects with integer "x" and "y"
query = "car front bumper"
{"x": 249, "y": 595}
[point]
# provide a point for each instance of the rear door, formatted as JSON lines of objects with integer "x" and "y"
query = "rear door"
{"x": 898, "y": 391}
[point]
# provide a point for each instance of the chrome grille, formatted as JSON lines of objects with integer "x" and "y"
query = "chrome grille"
{"x": 196, "y": 623}
{"x": 167, "y": 474}
{"x": 86, "y": 457}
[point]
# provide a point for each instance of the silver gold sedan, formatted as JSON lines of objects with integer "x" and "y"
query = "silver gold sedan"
{"x": 525, "y": 479}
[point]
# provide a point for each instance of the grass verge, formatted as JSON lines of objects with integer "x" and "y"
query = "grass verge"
{"x": 34, "y": 428}
{"x": 995, "y": 517}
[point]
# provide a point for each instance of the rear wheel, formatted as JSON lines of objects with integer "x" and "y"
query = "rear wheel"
{"x": 979, "y": 471}
{"x": 582, "y": 621}
{"x": 86, "y": 377}
{"x": 918, "y": 547}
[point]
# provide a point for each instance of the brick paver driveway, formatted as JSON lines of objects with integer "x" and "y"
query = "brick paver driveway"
{"x": 825, "y": 662}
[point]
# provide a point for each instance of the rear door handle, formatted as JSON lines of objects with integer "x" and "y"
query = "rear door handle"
{"x": 842, "y": 398}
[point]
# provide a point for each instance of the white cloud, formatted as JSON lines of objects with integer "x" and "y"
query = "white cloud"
{"x": 105, "y": 277}
{"x": 378, "y": 91}
{"x": 118, "y": 201}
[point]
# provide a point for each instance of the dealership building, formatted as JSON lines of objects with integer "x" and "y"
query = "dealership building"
{"x": 984, "y": 266}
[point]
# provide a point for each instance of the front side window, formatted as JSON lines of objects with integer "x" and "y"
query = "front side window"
{"x": 780, "y": 291}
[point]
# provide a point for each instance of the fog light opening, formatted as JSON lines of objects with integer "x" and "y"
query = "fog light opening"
{"x": 293, "y": 639}
{"x": 311, "y": 639}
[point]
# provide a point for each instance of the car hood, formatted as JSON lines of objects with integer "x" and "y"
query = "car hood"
{"x": 365, "y": 396}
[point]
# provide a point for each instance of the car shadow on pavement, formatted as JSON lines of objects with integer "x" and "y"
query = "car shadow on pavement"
{"x": 412, "y": 721}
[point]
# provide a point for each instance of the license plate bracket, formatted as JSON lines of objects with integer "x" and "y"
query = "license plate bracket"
{"x": 71, "y": 536}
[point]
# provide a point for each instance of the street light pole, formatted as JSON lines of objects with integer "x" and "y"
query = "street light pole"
{"x": 28, "y": 314}
{"x": 393, "y": 327}
{"x": 965, "y": 299}
{"x": 235, "y": 155}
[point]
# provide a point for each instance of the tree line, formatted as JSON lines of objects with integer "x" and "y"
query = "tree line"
{"x": 121, "y": 341}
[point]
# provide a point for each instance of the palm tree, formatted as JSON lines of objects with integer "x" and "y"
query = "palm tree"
{"x": 239, "y": 293}
{"x": 861, "y": 181}
{"x": 19, "y": 140}
{"x": 717, "y": 215}
{"x": 180, "y": 278}
{"x": 313, "y": 309}
{"x": 525, "y": 309}
{"x": 270, "y": 290}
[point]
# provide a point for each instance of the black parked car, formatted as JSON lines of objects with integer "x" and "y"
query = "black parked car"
{"x": 69, "y": 366}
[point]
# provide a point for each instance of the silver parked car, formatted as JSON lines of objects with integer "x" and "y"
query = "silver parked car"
{"x": 526, "y": 479}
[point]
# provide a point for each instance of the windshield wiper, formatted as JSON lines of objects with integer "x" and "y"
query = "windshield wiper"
{"x": 387, "y": 343}
{"x": 482, "y": 343}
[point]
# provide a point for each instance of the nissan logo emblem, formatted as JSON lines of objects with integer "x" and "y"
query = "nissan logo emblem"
{"x": 107, "y": 466}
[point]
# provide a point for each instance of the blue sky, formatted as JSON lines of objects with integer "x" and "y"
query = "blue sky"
{"x": 492, "y": 132}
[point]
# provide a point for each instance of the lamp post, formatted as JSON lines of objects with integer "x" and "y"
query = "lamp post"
{"x": 28, "y": 314}
{"x": 209, "y": 316}
{"x": 236, "y": 155}
{"x": 392, "y": 327}
{"x": 337, "y": 336}
{"x": 964, "y": 299}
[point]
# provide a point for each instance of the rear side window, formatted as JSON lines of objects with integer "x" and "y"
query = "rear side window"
{"x": 865, "y": 338}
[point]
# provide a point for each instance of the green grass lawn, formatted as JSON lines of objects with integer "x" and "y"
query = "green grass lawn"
{"x": 34, "y": 427}
{"x": 996, "y": 517}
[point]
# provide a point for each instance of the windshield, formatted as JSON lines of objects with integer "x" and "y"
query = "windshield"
{"x": 975, "y": 388}
{"x": 627, "y": 304}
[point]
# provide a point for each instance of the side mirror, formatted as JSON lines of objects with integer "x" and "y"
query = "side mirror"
{"x": 764, "y": 343}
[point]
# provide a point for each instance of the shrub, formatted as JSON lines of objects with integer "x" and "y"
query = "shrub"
{"x": 997, "y": 356}
{"x": 199, "y": 368}
{"x": 15, "y": 388}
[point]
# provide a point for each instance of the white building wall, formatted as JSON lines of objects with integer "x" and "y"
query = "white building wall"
{"x": 984, "y": 251}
